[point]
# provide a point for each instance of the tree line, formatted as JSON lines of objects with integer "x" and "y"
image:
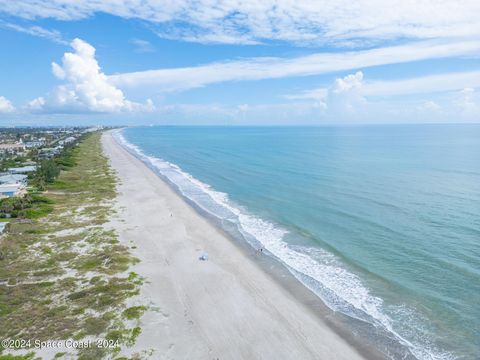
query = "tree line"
{"x": 49, "y": 169}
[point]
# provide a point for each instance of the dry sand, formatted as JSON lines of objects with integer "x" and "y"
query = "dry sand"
{"x": 225, "y": 308}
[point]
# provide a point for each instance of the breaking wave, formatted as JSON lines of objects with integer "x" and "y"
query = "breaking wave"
{"x": 319, "y": 270}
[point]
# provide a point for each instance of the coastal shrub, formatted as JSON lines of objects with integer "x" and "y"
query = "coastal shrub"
{"x": 136, "y": 331}
{"x": 134, "y": 312}
{"x": 66, "y": 159}
{"x": 28, "y": 356}
{"x": 7, "y": 163}
{"x": 47, "y": 172}
{"x": 116, "y": 335}
{"x": 91, "y": 353}
{"x": 38, "y": 211}
{"x": 48, "y": 295}
{"x": 39, "y": 199}
{"x": 95, "y": 325}
{"x": 7, "y": 205}
{"x": 31, "y": 206}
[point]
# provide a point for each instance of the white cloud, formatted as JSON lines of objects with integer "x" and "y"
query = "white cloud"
{"x": 178, "y": 79}
{"x": 142, "y": 46}
{"x": 314, "y": 94}
{"x": 420, "y": 85}
{"x": 6, "y": 106}
{"x": 468, "y": 102}
{"x": 38, "y": 31}
{"x": 424, "y": 84}
{"x": 86, "y": 87}
{"x": 348, "y": 83}
{"x": 308, "y": 21}
{"x": 267, "y": 113}
{"x": 36, "y": 104}
{"x": 355, "y": 98}
{"x": 345, "y": 96}
{"x": 430, "y": 106}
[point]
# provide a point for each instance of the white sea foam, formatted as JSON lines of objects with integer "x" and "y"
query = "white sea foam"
{"x": 319, "y": 270}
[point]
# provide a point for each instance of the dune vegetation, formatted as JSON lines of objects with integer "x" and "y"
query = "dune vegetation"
{"x": 63, "y": 272}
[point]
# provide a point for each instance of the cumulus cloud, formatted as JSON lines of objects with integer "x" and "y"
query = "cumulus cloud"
{"x": 36, "y": 104}
{"x": 353, "y": 97}
{"x": 345, "y": 96}
{"x": 6, "y": 106}
{"x": 347, "y": 86}
{"x": 250, "y": 21}
{"x": 86, "y": 88}
{"x": 468, "y": 102}
{"x": 342, "y": 97}
{"x": 348, "y": 83}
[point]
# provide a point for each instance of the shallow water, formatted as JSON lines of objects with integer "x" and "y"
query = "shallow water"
{"x": 382, "y": 222}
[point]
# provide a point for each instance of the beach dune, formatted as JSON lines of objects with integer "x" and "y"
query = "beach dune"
{"x": 227, "y": 307}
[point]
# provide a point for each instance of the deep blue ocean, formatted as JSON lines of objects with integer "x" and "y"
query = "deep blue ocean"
{"x": 381, "y": 222}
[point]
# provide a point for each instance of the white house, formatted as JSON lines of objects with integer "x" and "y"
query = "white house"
{"x": 22, "y": 170}
{"x": 68, "y": 140}
{"x": 14, "y": 179}
{"x": 9, "y": 190}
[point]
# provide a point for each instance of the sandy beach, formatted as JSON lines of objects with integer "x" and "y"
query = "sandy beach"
{"x": 225, "y": 308}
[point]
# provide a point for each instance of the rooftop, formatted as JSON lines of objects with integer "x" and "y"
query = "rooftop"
{"x": 12, "y": 178}
{"x": 21, "y": 170}
{"x": 6, "y": 188}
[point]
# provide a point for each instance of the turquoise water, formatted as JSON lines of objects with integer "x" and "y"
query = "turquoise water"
{"x": 382, "y": 222}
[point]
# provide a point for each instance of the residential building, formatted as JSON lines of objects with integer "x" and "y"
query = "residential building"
{"x": 12, "y": 148}
{"x": 34, "y": 144}
{"x": 22, "y": 170}
{"x": 67, "y": 140}
{"x": 13, "y": 179}
{"x": 9, "y": 190}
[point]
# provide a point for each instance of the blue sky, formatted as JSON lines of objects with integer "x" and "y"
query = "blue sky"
{"x": 246, "y": 62}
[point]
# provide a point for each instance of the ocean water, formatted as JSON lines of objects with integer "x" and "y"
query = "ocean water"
{"x": 381, "y": 222}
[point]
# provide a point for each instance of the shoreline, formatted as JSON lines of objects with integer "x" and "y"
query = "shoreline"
{"x": 276, "y": 308}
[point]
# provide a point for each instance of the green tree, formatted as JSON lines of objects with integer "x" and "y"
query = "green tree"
{"x": 46, "y": 173}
